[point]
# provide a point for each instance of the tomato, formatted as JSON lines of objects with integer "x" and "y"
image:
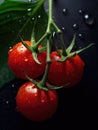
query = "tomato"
{"x": 69, "y": 71}
{"x": 20, "y": 60}
{"x": 36, "y": 104}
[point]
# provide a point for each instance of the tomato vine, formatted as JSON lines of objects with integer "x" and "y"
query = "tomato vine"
{"x": 60, "y": 68}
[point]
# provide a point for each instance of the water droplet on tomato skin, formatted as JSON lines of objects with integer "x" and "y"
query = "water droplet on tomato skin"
{"x": 25, "y": 59}
{"x": 29, "y": 9}
{"x": 42, "y": 100}
{"x": 10, "y": 50}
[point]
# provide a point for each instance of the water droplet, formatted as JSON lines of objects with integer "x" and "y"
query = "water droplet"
{"x": 13, "y": 85}
{"x": 65, "y": 11}
{"x": 75, "y": 26}
{"x": 39, "y": 16}
{"x": 80, "y": 11}
{"x": 7, "y": 102}
{"x": 88, "y": 19}
{"x": 36, "y": 94}
{"x": 63, "y": 29}
{"x": 10, "y": 47}
{"x": 20, "y": 20}
{"x": 29, "y": 0}
{"x": 33, "y": 18}
{"x": 29, "y": 9}
{"x": 25, "y": 59}
{"x": 80, "y": 35}
{"x": 10, "y": 50}
{"x": 42, "y": 100}
{"x": 54, "y": 34}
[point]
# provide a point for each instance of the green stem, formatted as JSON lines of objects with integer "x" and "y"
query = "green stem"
{"x": 63, "y": 45}
{"x": 33, "y": 32}
{"x": 40, "y": 40}
{"x": 48, "y": 61}
{"x": 49, "y": 17}
{"x": 56, "y": 27}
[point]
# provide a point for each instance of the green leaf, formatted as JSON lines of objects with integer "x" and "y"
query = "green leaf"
{"x": 16, "y": 20}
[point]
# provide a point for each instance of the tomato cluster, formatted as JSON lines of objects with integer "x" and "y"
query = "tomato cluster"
{"x": 34, "y": 103}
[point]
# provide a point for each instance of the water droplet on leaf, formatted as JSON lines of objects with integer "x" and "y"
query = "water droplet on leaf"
{"x": 25, "y": 59}
{"x": 42, "y": 100}
{"x": 39, "y": 16}
{"x": 29, "y": 0}
{"x": 33, "y": 18}
{"x": 29, "y": 9}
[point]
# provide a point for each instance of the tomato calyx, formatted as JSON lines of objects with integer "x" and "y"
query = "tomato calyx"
{"x": 34, "y": 49}
{"x": 69, "y": 51}
{"x": 44, "y": 85}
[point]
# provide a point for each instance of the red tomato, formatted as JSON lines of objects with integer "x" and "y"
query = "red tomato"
{"x": 36, "y": 104}
{"x": 70, "y": 71}
{"x": 20, "y": 60}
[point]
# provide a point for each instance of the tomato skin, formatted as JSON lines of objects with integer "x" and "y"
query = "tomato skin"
{"x": 70, "y": 71}
{"x": 20, "y": 60}
{"x": 36, "y": 104}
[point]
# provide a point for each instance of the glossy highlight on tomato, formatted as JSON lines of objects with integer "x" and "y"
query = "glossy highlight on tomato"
{"x": 20, "y": 60}
{"x": 69, "y": 71}
{"x": 36, "y": 104}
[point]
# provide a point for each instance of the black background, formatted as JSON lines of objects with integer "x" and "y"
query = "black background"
{"x": 78, "y": 105}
